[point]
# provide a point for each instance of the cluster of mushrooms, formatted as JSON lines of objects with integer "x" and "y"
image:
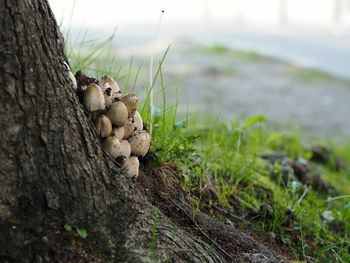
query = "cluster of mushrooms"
{"x": 116, "y": 119}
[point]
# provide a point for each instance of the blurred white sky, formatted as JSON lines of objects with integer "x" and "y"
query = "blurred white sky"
{"x": 92, "y": 13}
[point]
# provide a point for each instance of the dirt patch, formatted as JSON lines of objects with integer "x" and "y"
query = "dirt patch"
{"x": 163, "y": 188}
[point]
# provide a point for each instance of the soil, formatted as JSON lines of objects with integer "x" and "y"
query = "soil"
{"x": 163, "y": 188}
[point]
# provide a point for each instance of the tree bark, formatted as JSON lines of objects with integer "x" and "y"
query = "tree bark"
{"x": 54, "y": 172}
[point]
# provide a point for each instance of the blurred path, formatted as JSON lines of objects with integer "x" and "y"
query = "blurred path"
{"x": 229, "y": 83}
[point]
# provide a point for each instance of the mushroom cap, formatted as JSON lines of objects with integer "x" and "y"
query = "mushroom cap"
{"x": 130, "y": 101}
{"x": 140, "y": 142}
{"x": 125, "y": 148}
{"x": 103, "y": 126}
{"x": 131, "y": 166}
{"x": 118, "y": 132}
{"x": 108, "y": 82}
{"x": 112, "y": 146}
{"x": 93, "y": 98}
{"x": 138, "y": 121}
{"x": 129, "y": 128}
{"x": 118, "y": 113}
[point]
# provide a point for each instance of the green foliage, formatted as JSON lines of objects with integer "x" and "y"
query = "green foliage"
{"x": 68, "y": 228}
{"x": 80, "y": 231}
{"x": 313, "y": 75}
{"x": 344, "y": 151}
{"x": 218, "y": 49}
{"x": 289, "y": 143}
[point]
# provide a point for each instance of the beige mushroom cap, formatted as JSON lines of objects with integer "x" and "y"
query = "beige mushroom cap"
{"x": 140, "y": 142}
{"x": 118, "y": 113}
{"x": 118, "y": 132}
{"x": 93, "y": 98}
{"x": 112, "y": 146}
{"x": 108, "y": 82}
{"x": 130, "y": 102}
{"x": 138, "y": 121}
{"x": 129, "y": 128}
{"x": 125, "y": 149}
{"x": 103, "y": 126}
{"x": 131, "y": 166}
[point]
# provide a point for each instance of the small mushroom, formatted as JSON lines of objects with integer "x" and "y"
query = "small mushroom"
{"x": 93, "y": 98}
{"x": 118, "y": 132}
{"x": 103, "y": 126}
{"x": 129, "y": 128}
{"x": 108, "y": 82}
{"x": 125, "y": 149}
{"x": 72, "y": 78}
{"x": 112, "y": 146}
{"x": 130, "y": 102}
{"x": 118, "y": 113}
{"x": 140, "y": 142}
{"x": 138, "y": 121}
{"x": 131, "y": 166}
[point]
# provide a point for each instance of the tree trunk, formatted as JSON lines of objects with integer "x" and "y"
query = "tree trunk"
{"x": 53, "y": 171}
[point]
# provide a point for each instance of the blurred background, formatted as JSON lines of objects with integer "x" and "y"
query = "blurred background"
{"x": 286, "y": 59}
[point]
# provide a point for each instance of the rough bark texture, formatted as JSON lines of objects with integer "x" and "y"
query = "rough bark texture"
{"x": 53, "y": 171}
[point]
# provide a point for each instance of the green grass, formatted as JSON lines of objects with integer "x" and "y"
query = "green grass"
{"x": 226, "y": 158}
{"x": 313, "y": 75}
{"x": 218, "y": 49}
